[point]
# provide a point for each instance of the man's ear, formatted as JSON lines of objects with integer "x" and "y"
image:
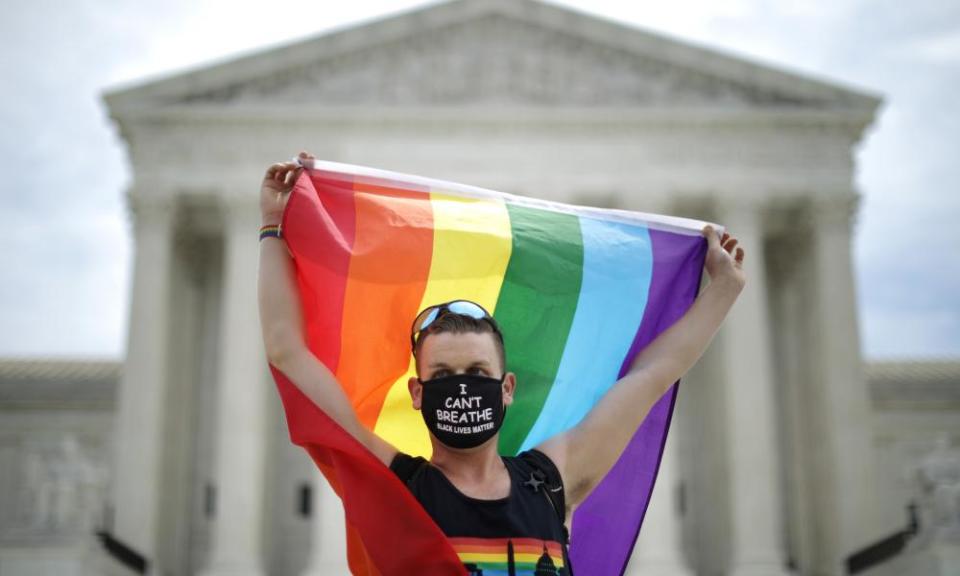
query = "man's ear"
{"x": 416, "y": 391}
{"x": 509, "y": 385}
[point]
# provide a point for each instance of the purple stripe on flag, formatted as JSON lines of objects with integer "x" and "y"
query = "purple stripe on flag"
{"x": 606, "y": 524}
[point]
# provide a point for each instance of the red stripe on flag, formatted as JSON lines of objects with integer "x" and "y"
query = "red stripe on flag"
{"x": 322, "y": 260}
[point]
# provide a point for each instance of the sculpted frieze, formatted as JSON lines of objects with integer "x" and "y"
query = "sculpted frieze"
{"x": 58, "y": 491}
{"x": 493, "y": 59}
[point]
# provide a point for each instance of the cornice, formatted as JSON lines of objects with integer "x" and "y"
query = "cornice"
{"x": 851, "y": 121}
{"x": 835, "y": 212}
{"x": 707, "y": 68}
{"x": 58, "y": 383}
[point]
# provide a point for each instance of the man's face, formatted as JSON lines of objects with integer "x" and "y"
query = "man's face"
{"x": 449, "y": 353}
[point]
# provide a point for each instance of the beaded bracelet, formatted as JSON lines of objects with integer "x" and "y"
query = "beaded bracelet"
{"x": 270, "y": 231}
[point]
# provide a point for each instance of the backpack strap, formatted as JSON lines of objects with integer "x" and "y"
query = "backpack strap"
{"x": 546, "y": 471}
{"x": 408, "y": 468}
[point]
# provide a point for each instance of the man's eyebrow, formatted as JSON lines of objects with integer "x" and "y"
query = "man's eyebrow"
{"x": 475, "y": 363}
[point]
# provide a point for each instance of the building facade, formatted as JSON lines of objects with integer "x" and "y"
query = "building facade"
{"x": 532, "y": 99}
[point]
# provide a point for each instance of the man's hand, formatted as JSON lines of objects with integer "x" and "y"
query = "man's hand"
{"x": 275, "y": 189}
{"x": 724, "y": 258}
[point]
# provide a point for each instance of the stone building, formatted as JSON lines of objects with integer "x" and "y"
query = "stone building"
{"x": 532, "y": 99}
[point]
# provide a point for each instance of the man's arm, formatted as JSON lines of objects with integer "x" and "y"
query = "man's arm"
{"x": 585, "y": 453}
{"x": 281, "y": 320}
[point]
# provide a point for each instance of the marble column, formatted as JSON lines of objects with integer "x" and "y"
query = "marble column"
{"x": 328, "y": 555}
{"x": 240, "y": 443}
{"x": 658, "y": 551}
{"x": 790, "y": 298}
{"x": 142, "y": 395}
{"x": 755, "y": 527}
{"x": 142, "y": 398}
{"x": 847, "y": 517}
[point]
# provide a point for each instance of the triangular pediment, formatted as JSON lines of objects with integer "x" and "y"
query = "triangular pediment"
{"x": 498, "y": 52}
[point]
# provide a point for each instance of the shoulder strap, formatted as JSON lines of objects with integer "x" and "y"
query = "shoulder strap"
{"x": 551, "y": 476}
{"x": 547, "y": 471}
{"x": 408, "y": 468}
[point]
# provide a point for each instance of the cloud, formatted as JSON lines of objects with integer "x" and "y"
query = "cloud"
{"x": 943, "y": 49}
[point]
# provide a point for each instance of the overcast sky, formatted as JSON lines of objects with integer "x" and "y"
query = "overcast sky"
{"x": 66, "y": 248}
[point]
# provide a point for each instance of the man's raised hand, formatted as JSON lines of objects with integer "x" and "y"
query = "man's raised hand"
{"x": 276, "y": 186}
{"x": 724, "y": 258}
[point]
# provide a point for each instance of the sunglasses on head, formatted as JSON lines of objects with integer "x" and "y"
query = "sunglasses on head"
{"x": 430, "y": 315}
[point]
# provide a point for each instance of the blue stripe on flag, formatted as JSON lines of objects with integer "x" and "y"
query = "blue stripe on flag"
{"x": 609, "y": 311}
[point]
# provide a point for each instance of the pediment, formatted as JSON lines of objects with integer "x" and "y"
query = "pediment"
{"x": 489, "y": 52}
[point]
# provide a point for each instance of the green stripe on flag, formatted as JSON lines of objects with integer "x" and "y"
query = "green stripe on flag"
{"x": 535, "y": 310}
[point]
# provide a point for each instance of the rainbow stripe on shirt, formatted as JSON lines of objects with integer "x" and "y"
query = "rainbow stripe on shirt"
{"x": 509, "y": 556}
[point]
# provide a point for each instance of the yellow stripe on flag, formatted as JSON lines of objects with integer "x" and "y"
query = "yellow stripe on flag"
{"x": 471, "y": 248}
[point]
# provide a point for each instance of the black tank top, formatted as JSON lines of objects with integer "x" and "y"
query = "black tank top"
{"x": 520, "y": 535}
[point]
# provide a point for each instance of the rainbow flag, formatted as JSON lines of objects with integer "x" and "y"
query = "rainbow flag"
{"x": 577, "y": 292}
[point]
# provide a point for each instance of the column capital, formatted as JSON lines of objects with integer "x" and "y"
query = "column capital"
{"x": 834, "y": 212}
{"x": 740, "y": 213}
{"x": 689, "y": 205}
{"x": 240, "y": 211}
{"x": 151, "y": 209}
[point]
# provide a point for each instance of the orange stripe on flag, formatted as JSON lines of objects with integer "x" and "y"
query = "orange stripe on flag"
{"x": 387, "y": 277}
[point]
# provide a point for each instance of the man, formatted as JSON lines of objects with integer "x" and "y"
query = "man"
{"x": 462, "y": 388}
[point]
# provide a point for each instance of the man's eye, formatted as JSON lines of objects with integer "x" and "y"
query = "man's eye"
{"x": 476, "y": 370}
{"x": 440, "y": 373}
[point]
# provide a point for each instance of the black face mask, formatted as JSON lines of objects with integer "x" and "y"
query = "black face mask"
{"x": 463, "y": 410}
